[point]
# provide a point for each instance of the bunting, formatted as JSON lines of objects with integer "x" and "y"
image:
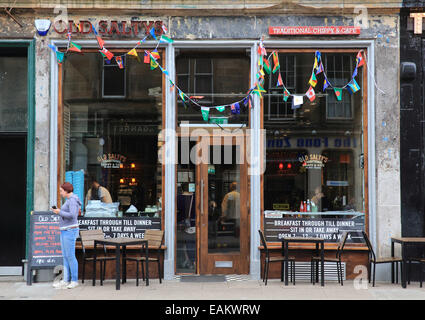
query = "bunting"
{"x": 279, "y": 80}
{"x": 133, "y": 52}
{"x": 311, "y": 95}
{"x": 74, "y": 47}
{"x": 353, "y": 86}
{"x": 106, "y": 53}
{"x": 220, "y": 108}
{"x": 119, "y": 61}
{"x": 276, "y": 65}
{"x": 286, "y": 94}
{"x": 205, "y": 113}
{"x": 338, "y": 93}
{"x": 313, "y": 80}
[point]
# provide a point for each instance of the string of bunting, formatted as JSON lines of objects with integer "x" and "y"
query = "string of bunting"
{"x": 264, "y": 66}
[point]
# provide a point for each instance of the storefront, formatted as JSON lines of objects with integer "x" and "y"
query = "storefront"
{"x": 214, "y": 165}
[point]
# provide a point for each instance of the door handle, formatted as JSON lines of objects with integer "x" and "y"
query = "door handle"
{"x": 202, "y": 197}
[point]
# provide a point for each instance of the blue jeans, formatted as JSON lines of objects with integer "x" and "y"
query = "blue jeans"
{"x": 70, "y": 263}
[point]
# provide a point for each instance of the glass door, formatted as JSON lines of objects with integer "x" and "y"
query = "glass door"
{"x": 222, "y": 207}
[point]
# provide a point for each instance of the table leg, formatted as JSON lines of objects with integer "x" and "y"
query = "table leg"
{"x": 147, "y": 265}
{"x": 403, "y": 257}
{"x": 94, "y": 264}
{"x": 392, "y": 264}
{"x": 285, "y": 244}
{"x": 117, "y": 266}
{"x": 322, "y": 263}
{"x": 124, "y": 264}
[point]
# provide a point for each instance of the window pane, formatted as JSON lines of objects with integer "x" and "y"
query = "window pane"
{"x": 114, "y": 141}
{"x": 13, "y": 89}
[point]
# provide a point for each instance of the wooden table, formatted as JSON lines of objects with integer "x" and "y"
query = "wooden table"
{"x": 118, "y": 243}
{"x": 404, "y": 241}
{"x": 317, "y": 241}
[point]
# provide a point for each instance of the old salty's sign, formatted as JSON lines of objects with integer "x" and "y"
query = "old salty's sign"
{"x": 314, "y": 31}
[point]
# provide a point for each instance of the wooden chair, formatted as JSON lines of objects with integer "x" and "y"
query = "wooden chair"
{"x": 375, "y": 261}
{"x": 316, "y": 259}
{"x": 87, "y": 238}
{"x": 280, "y": 259}
{"x": 155, "y": 238}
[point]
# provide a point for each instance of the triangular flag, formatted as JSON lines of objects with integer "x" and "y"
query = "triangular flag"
{"x": 297, "y": 101}
{"x": 286, "y": 94}
{"x": 74, "y": 47}
{"x": 220, "y": 108}
{"x": 311, "y": 94}
{"x": 154, "y": 64}
{"x": 326, "y": 84}
{"x": 155, "y": 54}
{"x": 360, "y": 59}
{"x": 106, "y": 53}
{"x": 164, "y": 29}
{"x": 279, "y": 80}
{"x": 166, "y": 39}
{"x": 258, "y": 90}
{"x": 338, "y": 93}
{"x": 100, "y": 42}
{"x": 266, "y": 65}
{"x": 316, "y": 64}
{"x": 182, "y": 96}
{"x": 318, "y": 56}
{"x": 354, "y": 72}
{"x": 133, "y": 53}
{"x": 147, "y": 57}
{"x": 319, "y": 68}
{"x": 353, "y": 86}
{"x": 119, "y": 61}
{"x": 235, "y": 108}
{"x": 205, "y": 112}
{"x": 276, "y": 64}
{"x": 60, "y": 57}
{"x": 313, "y": 80}
{"x": 171, "y": 85}
{"x": 152, "y": 32}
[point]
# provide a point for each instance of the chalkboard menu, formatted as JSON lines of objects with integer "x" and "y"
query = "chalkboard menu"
{"x": 130, "y": 227}
{"x": 279, "y": 225}
{"x": 44, "y": 242}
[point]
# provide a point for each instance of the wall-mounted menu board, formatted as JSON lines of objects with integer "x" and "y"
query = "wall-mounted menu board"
{"x": 44, "y": 242}
{"x": 328, "y": 226}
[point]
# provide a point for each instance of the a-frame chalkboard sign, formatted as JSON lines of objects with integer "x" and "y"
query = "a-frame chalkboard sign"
{"x": 44, "y": 248}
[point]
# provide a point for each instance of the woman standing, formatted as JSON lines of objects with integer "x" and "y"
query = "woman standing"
{"x": 69, "y": 230}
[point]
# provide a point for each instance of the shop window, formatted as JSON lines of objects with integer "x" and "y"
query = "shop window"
{"x": 314, "y": 155}
{"x": 215, "y": 79}
{"x": 114, "y": 141}
{"x": 13, "y": 89}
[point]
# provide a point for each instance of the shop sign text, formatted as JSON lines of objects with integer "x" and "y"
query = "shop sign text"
{"x": 314, "y": 31}
{"x": 325, "y": 142}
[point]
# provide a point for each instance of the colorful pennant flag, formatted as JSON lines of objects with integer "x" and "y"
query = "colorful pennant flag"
{"x": 360, "y": 59}
{"x": 266, "y": 65}
{"x": 311, "y": 94}
{"x": 316, "y": 64}
{"x": 154, "y": 64}
{"x": 235, "y": 108}
{"x": 205, "y": 112}
{"x": 164, "y": 28}
{"x": 297, "y": 101}
{"x": 60, "y": 57}
{"x": 313, "y": 80}
{"x": 166, "y": 39}
{"x": 325, "y": 84}
{"x": 119, "y": 61}
{"x": 152, "y": 32}
{"x": 106, "y": 53}
{"x": 74, "y": 47}
{"x": 318, "y": 55}
{"x": 338, "y": 93}
{"x": 279, "y": 80}
{"x": 220, "y": 108}
{"x": 258, "y": 90}
{"x": 286, "y": 94}
{"x": 276, "y": 65}
{"x": 319, "y": 68}
{"x": 354, "y": 72}
{"x": 133, "y": 53}
{"x": 353, "y": 86}
{"x": 155, "y": 54}
{"x": 172, "y": 85}
{"x": 147, "y": 57}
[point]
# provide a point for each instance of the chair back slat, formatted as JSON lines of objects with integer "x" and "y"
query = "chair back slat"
{"x": 154, "y": 237}
{"x": 341, "y": 244}
{"x": 88, "y": 236}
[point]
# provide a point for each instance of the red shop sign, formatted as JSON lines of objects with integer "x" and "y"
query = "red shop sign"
{"x": 315, "y": 31}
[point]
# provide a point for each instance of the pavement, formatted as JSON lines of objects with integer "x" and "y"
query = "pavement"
{"x": 237, "y": 288}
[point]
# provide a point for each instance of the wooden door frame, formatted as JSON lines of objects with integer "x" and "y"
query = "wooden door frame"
{"x": 205, "y": 260}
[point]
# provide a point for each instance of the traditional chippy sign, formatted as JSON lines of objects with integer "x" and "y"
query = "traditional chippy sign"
{"x": 314, "y": 31}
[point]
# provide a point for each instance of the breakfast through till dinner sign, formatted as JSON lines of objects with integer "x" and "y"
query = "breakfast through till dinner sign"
{"x": 317, "y": 30}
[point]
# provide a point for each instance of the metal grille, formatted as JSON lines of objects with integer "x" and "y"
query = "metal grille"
{"x": 302, "y": 271}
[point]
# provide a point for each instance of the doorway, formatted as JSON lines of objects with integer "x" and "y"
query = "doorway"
{"x": 13, "y": 199}
{"x": 213, "y": 216}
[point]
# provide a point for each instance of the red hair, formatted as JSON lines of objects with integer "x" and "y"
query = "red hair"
{"x": 67, "y": 187}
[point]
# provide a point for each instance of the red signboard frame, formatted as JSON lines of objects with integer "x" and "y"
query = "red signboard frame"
{"x": 314, "y": 30}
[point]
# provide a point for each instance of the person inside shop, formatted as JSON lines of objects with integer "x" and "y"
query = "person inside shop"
{"x": 69, "y": 230}
{"x": 97, "y": 192}
{"x": 230, "y": 207}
